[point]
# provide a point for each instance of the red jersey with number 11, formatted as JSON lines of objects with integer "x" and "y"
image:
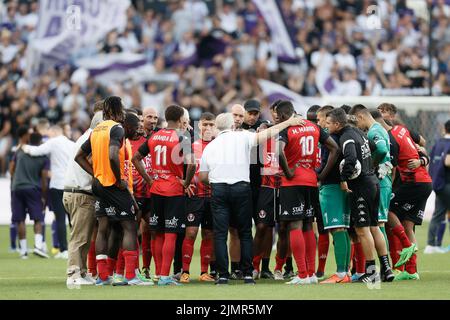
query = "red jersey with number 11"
{"x": 302, "y": 150}
{"x": 166, "y": 152}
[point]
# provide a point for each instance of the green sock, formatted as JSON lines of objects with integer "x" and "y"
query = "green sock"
{"x": 383, "y": 230}
{"x": 340, "y": 250}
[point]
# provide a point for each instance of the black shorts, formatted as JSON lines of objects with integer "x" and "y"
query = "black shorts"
{"x": 144, "y": 204}
{"x": 319, "y": 220}
{"x": 267, "y": 207}
{"x": 168, "y": 214}
{"x": 112, "y": 202}
{"x": 298, "y": 203}
{"x": 364, "y": 200}
{"x": 198, "y": 212}
{"x": 409, "y": 201}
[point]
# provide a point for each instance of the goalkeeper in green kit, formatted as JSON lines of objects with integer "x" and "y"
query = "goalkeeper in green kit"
{"x": 380, "y": 143}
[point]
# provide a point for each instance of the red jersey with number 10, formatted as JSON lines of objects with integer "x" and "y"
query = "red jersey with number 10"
{"x": 167, "y": 162}
{"x": 140, "y": 187}
{"x": 201, "y": 190}
{"x": 302, "y": 150}
{"x": 407, "y": 150}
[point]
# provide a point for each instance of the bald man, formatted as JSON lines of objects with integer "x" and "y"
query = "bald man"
{"x": 238, "y": 113}
{"x": 150, "y": 120}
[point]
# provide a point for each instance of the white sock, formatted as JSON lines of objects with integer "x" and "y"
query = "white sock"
{"x": 341, "y": 274}
{"x": 38, "y": 240}
{"x": 23, "y": 246}
{"x": 359, "y": 274}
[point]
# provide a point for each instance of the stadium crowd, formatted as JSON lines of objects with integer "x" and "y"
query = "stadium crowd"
{"x": 219, "y": 55}
{"x": 119, "y": 161}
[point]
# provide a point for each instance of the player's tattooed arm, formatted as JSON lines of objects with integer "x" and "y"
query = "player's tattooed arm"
{"x": 139, "y": 165}
{"x": 333, "y": 155}
{"x": 288, "y": 172}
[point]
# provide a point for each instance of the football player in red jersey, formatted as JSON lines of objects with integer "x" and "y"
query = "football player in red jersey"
{"x": 169, "y": 151}
{"x": 266, "y": 209}
{"x": 142, "y": 195}
{"x": 410, "y": 197}
{"x": 199, "y": 208}
{"x": 299, "y": 195}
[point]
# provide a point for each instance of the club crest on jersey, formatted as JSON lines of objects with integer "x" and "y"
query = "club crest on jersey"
{"x": 190, "y": 217}
{"x": 262, "y": 214}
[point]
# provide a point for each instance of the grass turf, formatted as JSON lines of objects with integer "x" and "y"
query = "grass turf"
{"x": 38, "y": 278}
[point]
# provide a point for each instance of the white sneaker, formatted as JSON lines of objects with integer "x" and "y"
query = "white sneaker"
{"x": 255, "y": 274}
{"x": 298, "y": 281}
{"x": 313, "y": 279}
{"x": 40, "y": 253}
{"x": 278, "y": 275}
{"x": 62, "y": 255}
{"x": 88, "y": 277}
{"x": 433, "y": 249}
{"x": 70, "y": 282}
{"x": 24, "y": 256}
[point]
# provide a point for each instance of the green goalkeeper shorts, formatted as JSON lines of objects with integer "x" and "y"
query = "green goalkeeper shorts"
{"x": 335, "y": 207}
{"x": 385, "y": 199}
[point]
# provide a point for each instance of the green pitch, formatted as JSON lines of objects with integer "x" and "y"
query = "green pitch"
{"x": 38, "y": 278}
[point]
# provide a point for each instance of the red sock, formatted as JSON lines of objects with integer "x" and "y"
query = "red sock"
{"x": 324, "y": 243}
{"x": 352, "y": 255}
{"x": 146, "y": 249}
{"x": 187, "y": 252}
{"x": 130, "y": 263}
{"x": 168, "y": 251}
{"x": 91, "y": 263}
{"x": 360, "y": 259}
{"x": 111, "y": 266}
{"x": 137, "y": 254}
{"x": 205, "y": 254}
{"x": 310, "y": 247}
{"x": 411, "y": 265}
{"x": 157, "y": 252}
{"x": 299, "y": 251}
{"x": 279, "y": 263}
{"x": 399, "y": 231}
{"x": 257, "y": 262}
{"x": 394, "y": 246}
{"x": 102, "y": 266}
{"x": 120, "y": 264}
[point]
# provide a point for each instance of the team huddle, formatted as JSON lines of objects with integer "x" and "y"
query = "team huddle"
{"x": 354, "y": 173}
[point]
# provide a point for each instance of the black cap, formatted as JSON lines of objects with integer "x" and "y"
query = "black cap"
{"x": 252, "y": 105}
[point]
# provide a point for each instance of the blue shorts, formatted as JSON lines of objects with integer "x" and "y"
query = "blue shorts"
{"x": 26, "y": 201}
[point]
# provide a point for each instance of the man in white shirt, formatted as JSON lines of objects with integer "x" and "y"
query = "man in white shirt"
{"x": 60, "y": 149}
{"x": 225, "y": 164}
{"x": 79, "y": 203}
